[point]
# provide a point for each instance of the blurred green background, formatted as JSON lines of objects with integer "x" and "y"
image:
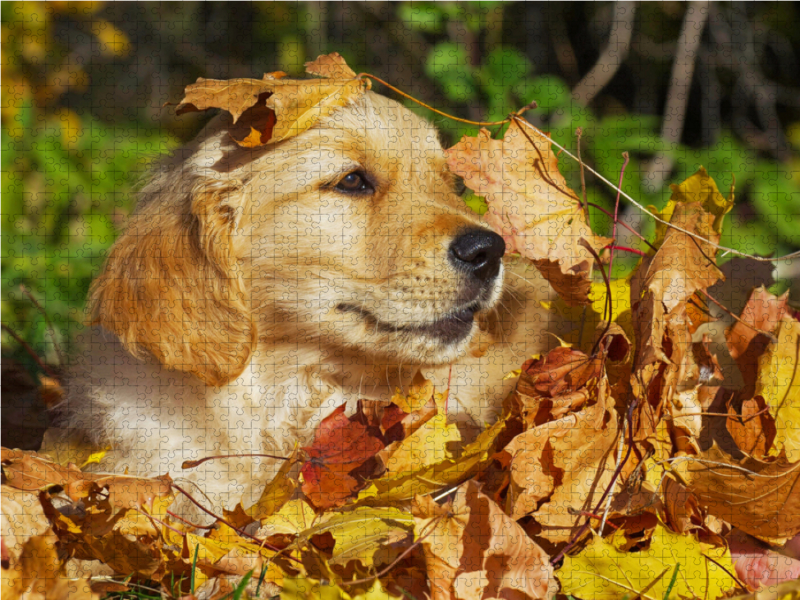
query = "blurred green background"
{"x": 675, "y": 85}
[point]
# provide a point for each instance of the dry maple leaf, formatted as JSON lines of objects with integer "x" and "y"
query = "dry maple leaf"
{"x": 340, "y": 446}
{"x": 530, "y": 205}
{"x": 576, "y": 451}
{"x": 275, "y": 108}
{"x": 759, "y": 497}
{"x": 331, "y": 66}
{"x": 473, "y": 550}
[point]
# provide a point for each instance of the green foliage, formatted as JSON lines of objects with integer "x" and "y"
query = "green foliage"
{"x": 64, "y": 200}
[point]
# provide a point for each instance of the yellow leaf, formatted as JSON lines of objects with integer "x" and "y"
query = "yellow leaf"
{"x": 395, "y": 488}
{"x": 425, "y": 447}
{"x": 298, "y": 104}
{"x": 361, "y": 532}
{"x": 293, "y": 518}
{"x": 700, "y": 187}
{"x": 530, "y": 205}
{"x": 779, "y": 384}
{"x": 302, "y": 588}
{"x": 603, "y": 571}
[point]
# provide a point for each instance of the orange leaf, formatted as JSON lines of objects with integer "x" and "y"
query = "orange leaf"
{"x": 474, "y": 551}
{"x": 530, "y": 205}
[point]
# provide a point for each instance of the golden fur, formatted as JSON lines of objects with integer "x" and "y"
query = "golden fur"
{"x": 249, "y": 297}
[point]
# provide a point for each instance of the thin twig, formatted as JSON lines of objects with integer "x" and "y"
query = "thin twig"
{"x": 579, "y": 135}
{"x": 191, "y": 464}
{"x": 625, "y": 249}
{"x": 30, "y": 351}
{"x": 625, "y": 158}
{"x": 444, "y": 114}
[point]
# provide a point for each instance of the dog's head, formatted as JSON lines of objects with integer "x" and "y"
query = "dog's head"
{"x": 350, "y": 235}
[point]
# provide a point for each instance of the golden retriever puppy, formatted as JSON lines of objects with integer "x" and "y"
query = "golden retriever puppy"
{"x": 255, "y": 290}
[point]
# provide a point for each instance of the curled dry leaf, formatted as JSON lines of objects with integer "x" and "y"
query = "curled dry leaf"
{"x": 473, "y": 550}
{"x": 29, "y": 471}
{"x": 555, "y": 384}
{"x": 683, "y": 264}
{"x": 759, "y": 497}
{"x": 530, "y": 205}
{"x": 666, "y": 372}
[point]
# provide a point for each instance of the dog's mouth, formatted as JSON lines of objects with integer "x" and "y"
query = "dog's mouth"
{"x": 451, "y": 328}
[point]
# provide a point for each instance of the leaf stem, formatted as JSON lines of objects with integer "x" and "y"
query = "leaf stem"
{"x": 616, "y": 211}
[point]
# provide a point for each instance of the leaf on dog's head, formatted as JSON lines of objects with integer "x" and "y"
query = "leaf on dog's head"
{"x": 232, "y": 95}
{"x": 530, "y": 205}
{"x": 331, "y": 66}
{"x": 340, "y": 446}
{"x": 275, "y": 108}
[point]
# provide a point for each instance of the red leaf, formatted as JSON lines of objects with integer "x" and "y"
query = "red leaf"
{"x": 340, "y": 446}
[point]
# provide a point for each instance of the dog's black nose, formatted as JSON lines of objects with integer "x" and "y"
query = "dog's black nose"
{"x": 478, "y": 251}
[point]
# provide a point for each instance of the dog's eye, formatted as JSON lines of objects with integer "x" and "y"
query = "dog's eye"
{"x": 354, "y": 183}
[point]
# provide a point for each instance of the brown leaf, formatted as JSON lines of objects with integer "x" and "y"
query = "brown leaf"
{"x": 232, "y": 95}
{"x": 583, "y": 463}
{"x": 753, "y": 430}
{"x": 29, "y": 471}
{"x": 530, "y": 205}
{"x": 474, "y": 551}
{"x": 275, "y": 108}
{"x": 684, "y": 264}
{"x": 340, "y": 446}
{"x": 332, "y": 66}
{"x": 763, "y": 311}
{"x": 759, "y": 497}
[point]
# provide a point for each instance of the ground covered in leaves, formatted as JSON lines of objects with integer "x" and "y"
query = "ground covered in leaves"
{"x": 622, "y": 466}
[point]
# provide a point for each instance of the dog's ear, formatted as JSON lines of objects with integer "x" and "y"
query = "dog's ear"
{"x": 173, "y": 285}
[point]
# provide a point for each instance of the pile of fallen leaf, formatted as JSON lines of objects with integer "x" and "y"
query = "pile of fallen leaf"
{"x": 622, "y": 466}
